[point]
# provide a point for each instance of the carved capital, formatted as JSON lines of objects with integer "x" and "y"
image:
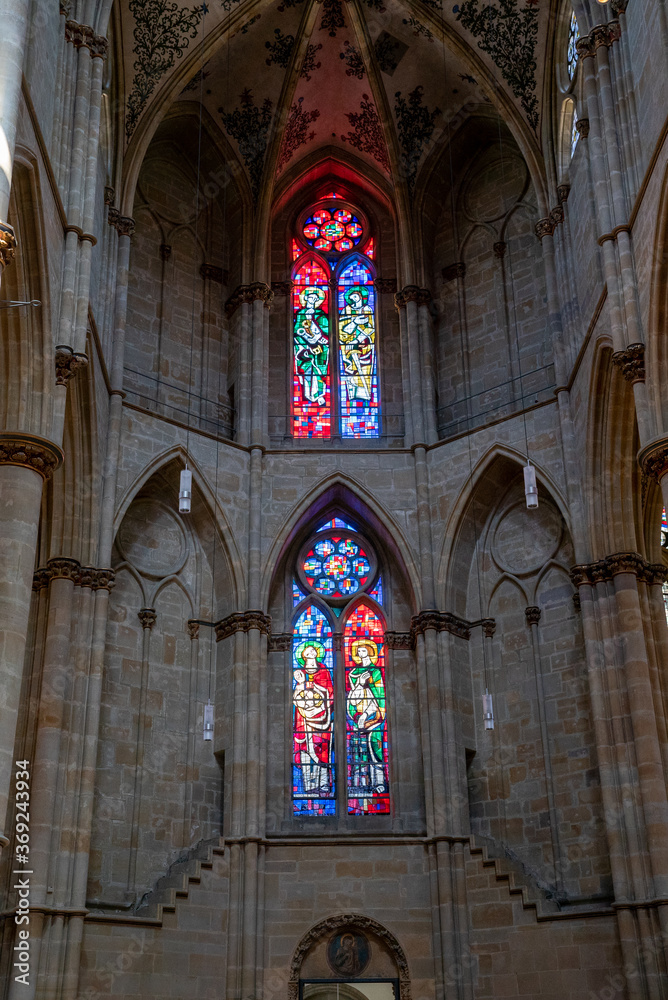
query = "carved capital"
{"x": 7, "y": 245}
{"x": 603, "y": 570}
{"x": 582, "y": 127}
{"x": 563, "y": 191}
{"x": 385, "y": 286}
{"x": 557, "y": 216}
{"x": 165, "y": 251}
{"x": 211, "y": 272}
{"x": 280, "y": 642}
{"x": 399, "y": 640}
{"x": 147, "y": 617}
{"x": 532, "y": 614}
{"x": 440, "y": 621}
{"x": 249, "y": 293}
{"x": 193, "y": 628}
{"x": 452, "y": 271}
{"x": 584, "y": 47}
{"x": 40, "y": 579}
{"x": 243, "y": 621}
{"x": 544, "y": 227}
{"x": 618, "y": 7}
{"x": 631, "y": 362}
{"x": 63, "y": 568}
{"x": 104, "y": 579}
{"x": 412, "y": 293}
{"x": 109, "y": 195}
{"x": 605, "y": 34}
{"x": 113, "y": 215}
{"x": 83, "y": 36}
{"x": 125, "y": 226}
{"x": 499, "y": 249}
{"x": 31, "y": 452}
{"x": 281, "y": 287}
{"x": 338, "y": 642}
{"x": 653, "y": 459}
{"x": 488, "y": 627}
{"x": 68, "y": 363}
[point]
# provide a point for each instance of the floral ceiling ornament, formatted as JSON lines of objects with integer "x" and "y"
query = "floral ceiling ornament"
{"x": 280, "y": 50}
{"x": 250, "y": 125}
{"x": 332, "y": 16}
{"x": 415, "y": 126}
{"x": 418, "y": 27}
{"x": 366, "y": 133}
{"x": 508, "y": 33}
{"x": 163, "y": 31}
{"x": 354, "y": 61}
{"x": 296, "y": 131}
{"x": 310, "y": 65}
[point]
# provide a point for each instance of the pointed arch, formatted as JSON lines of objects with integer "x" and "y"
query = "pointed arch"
{"x": 344, "y": 497}
{"x": 168, "y": 581}
{"x": 175, "y": 457}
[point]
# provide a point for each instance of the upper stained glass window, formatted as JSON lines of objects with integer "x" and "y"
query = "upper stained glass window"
{"x": 335, "y": 341}
{"x": 572, "y": 52}
{"x": 575, "y": 135}
{"x": 336, "y": 522}
{"x": 338, "y": 569}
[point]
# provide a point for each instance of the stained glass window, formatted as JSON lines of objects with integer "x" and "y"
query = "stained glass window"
{"x": 572, "y": 52}
{"x": 297, "y": 251}
{"x": 377, "y": 592}
{"x": 370, "y": 248}
{"x": 664, "y": 545}
{"x": 358, "y": 369}
{"x": 297, "y": 594}
{"x": 336, "y": 229}
{"x": 366, "y": 722}
{"x": 575, "y": 135}
{"x": 336, "y": 522}
{"x": 313, "y": 773}
{"x": 336, "y": 567}
{"x": 311, "y": 380}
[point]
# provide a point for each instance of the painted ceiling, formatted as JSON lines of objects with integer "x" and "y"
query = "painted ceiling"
{"x": 384, "y": 79}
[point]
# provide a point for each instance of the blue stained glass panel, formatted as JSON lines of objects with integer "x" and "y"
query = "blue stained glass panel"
{"x": 336, "y": 522}
{"x": 359, "y": 405}
{"x": 297, "y": 594}
{"x": 377, "y": 592}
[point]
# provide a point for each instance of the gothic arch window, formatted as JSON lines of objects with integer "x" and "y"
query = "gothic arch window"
{"x": 339, "y": 697}
{"x": 335, "y": 388}
{"x": 568, "y": 87}
{"x": 664, "y": 548}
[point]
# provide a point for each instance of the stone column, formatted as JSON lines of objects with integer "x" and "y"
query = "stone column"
{"x": 25, "y": 462}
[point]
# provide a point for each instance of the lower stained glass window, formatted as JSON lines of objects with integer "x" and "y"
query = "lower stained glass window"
{"x": 313, "y": 781}
{"x": 366, "y": 722}
{"x": 358, "y": 367}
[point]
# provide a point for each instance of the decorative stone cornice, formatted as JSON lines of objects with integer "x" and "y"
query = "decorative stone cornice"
{"x": 147, "y": 617}
{"x": 165, "y": 251}
{"x": 440, "y": 621}
{"x": 385, "y": 286}
{"x": 83, "y": 36}
{"x": 563, "y": 191}
{"x": 68, "y": 363}
{"x": 249, "y": 293}
{"x": 212, "y": 272}
{"x": 499, "y": 249}
{"x": 64, "y": 568}
{"x": 544, "y": 227}
{"x": 557, "y": 216}
{"x": 7, "y": 245}
{"x": 31, "y": 452}
{"x": 620, "y": 562}
{"x": 412, "y": 293}
{"x": 631, "y": 363}
{"x": 452, "y": 271}
{"x": 653, "y": 458}
{"x": 399, "y": 640}
{"x": 281, "y": 287}
{"x": 243, "y": 621}
{"x": 279, "y": 642}
{"x": 532, "y": 614}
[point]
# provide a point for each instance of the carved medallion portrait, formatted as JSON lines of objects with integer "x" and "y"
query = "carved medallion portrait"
{"x": 348, "y": 953}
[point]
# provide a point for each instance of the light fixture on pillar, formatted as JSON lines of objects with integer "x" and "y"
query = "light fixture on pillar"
{"x": 208, "y": 721}
{"x": 530, "y": 488}
{"x": 487, "y": 710}
{"x": 185, "y": 490}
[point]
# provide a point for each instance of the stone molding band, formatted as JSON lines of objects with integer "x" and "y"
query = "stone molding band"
{"x": 80, "y": 234}
{"x": 8, "y": 245}
{"x": 83, "y": 37}
{"x": 445, "y": 621}
{"x": 242, "y": 621}
{"x": 249, "y": 293}
{"x": 653, "y": 459}
{"x": 30, "y": 452}
{"x": 604, "y": 570}
{"x": 631, "y": 363}
{"x": 63, "y": 568}
{"x": 614, "y": 234}
{"x": 412, "y": 293}
{"x": 68, "y": 363}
